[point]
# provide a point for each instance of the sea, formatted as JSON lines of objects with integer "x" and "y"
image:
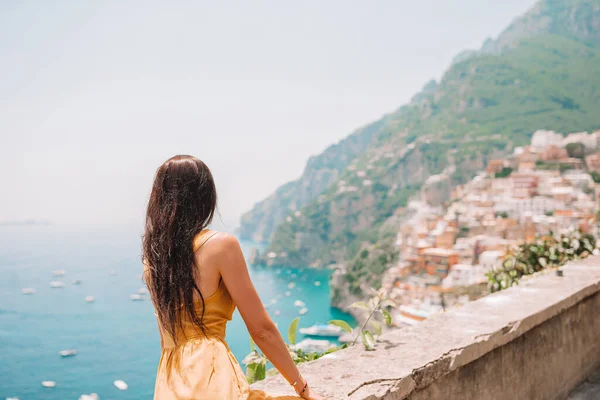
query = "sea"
{"x": 115, "y": 338}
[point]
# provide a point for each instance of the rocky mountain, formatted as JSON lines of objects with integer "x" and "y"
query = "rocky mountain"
{"x": 542, "y": 72}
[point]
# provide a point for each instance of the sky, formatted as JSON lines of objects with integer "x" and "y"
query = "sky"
{"x": 94, "y": 96}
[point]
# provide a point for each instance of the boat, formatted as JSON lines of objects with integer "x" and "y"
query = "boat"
{"x": 59, "y": 272}
{"x": 324, "y": 330}
{"x": 90, "y": 299}
{"x": 299, "y": 303}
{"x": 347, "y": 337}
{"x": 48, "y": 384}
{"x": 67, "y": 353}
{"x": 136, "y": 297}
{"x": 291, "y": 285}
{"x": 121, "y": 385}
{"x": 288, "y": 294}
{"x": 28, "y": 290}
{"x": 314, "y": 345}
{"x": 303, "y": 311}
{"x": 276, "y": 312}
{"x": 317, "y": 283}
{"x": 142, "y": 291}
{"x": 57, "y": 284}
{"x": 77, "y": 282}
{"x": 91, "y": 396}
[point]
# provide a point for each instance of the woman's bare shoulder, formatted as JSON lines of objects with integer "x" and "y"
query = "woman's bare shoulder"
{"x": 220, "y": 245}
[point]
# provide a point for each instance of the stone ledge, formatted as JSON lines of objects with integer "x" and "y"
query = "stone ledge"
{"x": 409, "y": 360}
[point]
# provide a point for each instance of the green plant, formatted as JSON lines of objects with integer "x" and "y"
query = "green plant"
{"x": 506, "y": 171}
{"x": 544, "y": 252}
{"x": 376, "y": 305}
{"x": 256, "y": 362}
{"x": 576, "y": 150}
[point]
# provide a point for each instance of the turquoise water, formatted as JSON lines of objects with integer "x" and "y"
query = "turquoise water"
{"x": 115, "y": 338}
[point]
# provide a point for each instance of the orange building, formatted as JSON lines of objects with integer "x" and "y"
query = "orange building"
{"x": 438, "y": 261}
{"x": 553, "y": 153}
{"x": 446, "y": 239}
{"x": 495, "y": 166}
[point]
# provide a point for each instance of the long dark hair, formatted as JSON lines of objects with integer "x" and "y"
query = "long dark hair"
{"x": 182, "y": 204}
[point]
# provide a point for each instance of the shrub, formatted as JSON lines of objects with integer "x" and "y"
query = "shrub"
{"x": 544, "y": 252}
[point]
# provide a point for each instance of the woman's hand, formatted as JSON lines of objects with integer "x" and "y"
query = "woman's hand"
{"x": 310, "y": 395}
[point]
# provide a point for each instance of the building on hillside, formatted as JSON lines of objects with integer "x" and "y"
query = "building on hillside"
{"x": 542, "y": 139}
{"x": 572, "y": 163}
{"x": 579, "y": 179}
{"x": 464, "y": 275}
{"x": 538, "y": 205}
{"x": 527, "y": 154}
{"x": 593, "y": 162}
{"x": 553, "y": 153}
{"x": 437, "y": 262}
{"x": 465, "y": 249}
{"x": 524, "y": 184}
{"x": 446, "y": 238}
{"x": 490, "y": 259}
{"x": 563, "y": 194}
{"x": 495, "y": 166}
{"x": 589, "y": 140}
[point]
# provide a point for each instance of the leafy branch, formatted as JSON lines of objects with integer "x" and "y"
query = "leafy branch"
{"x": 376, "y": 305}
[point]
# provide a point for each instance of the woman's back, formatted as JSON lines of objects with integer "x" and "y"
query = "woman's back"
{"x": 196, "y": 278}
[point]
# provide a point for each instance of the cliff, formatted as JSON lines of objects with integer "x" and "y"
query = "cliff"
{"x": 542, "y": 72}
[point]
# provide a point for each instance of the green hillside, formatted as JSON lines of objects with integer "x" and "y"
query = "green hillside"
{"x": 546, "y": 77}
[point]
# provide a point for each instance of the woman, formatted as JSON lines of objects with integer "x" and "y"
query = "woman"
{"x": 196, "y": 278}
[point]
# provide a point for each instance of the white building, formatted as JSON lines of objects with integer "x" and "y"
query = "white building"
{"x": 542, "y": 139}
{"x": 537, "y": 205}
{"x": 491, "y": 259}
{"x": 464, "y": 275}
{"x": 589, "y": 140}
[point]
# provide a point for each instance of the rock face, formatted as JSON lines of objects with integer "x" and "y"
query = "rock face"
{"x": 259, "y": 223}
{"x": 541, "y": 73}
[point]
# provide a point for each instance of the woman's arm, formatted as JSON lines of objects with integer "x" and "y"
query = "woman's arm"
{"x": 226, "y": 253}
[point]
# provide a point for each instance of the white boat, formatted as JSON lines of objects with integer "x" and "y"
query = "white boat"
{"x": 317, "y": 283}
{"x": 142, "y": 291}
{"x": 325, "y": 330}
{"x": 136, "y": 297}
{"x": 314, "y": 345}
{"x": 276, "y": 312}
{"x": 288, "y": 294}
{"x": 90, "y": 299}
{"x": 291, "y": 285}
{"x": 299, "y": 303}
{"x": 121, "y": 385}
{"x": 59, "y": 272}
{"x": 57, "y": 284}
{"x": 91, "y": 396}
{"x": 67, "y": 353}
{"x": 48, "y": 384}
{"x": 303, "y": 311}
{"x": 77, "y": 282}
{"x": 28, "y": 290}
{"x": 12, "y": 398}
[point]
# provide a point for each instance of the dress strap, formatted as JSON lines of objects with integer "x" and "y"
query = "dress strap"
{"x": 198, "y": 242}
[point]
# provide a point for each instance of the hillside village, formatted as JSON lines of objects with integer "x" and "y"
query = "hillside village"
{"x": 456, "y": 235}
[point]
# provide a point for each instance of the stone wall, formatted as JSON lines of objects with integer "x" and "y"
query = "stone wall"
{"x": 538, "y": 340}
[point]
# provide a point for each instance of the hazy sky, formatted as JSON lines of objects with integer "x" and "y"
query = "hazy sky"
{"x": 94, "y": 96}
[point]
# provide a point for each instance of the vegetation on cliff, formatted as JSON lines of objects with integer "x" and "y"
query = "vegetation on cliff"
{"x": 543, "y": 72}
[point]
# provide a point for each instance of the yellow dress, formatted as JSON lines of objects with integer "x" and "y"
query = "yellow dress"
{"x": 202, "y": 367}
